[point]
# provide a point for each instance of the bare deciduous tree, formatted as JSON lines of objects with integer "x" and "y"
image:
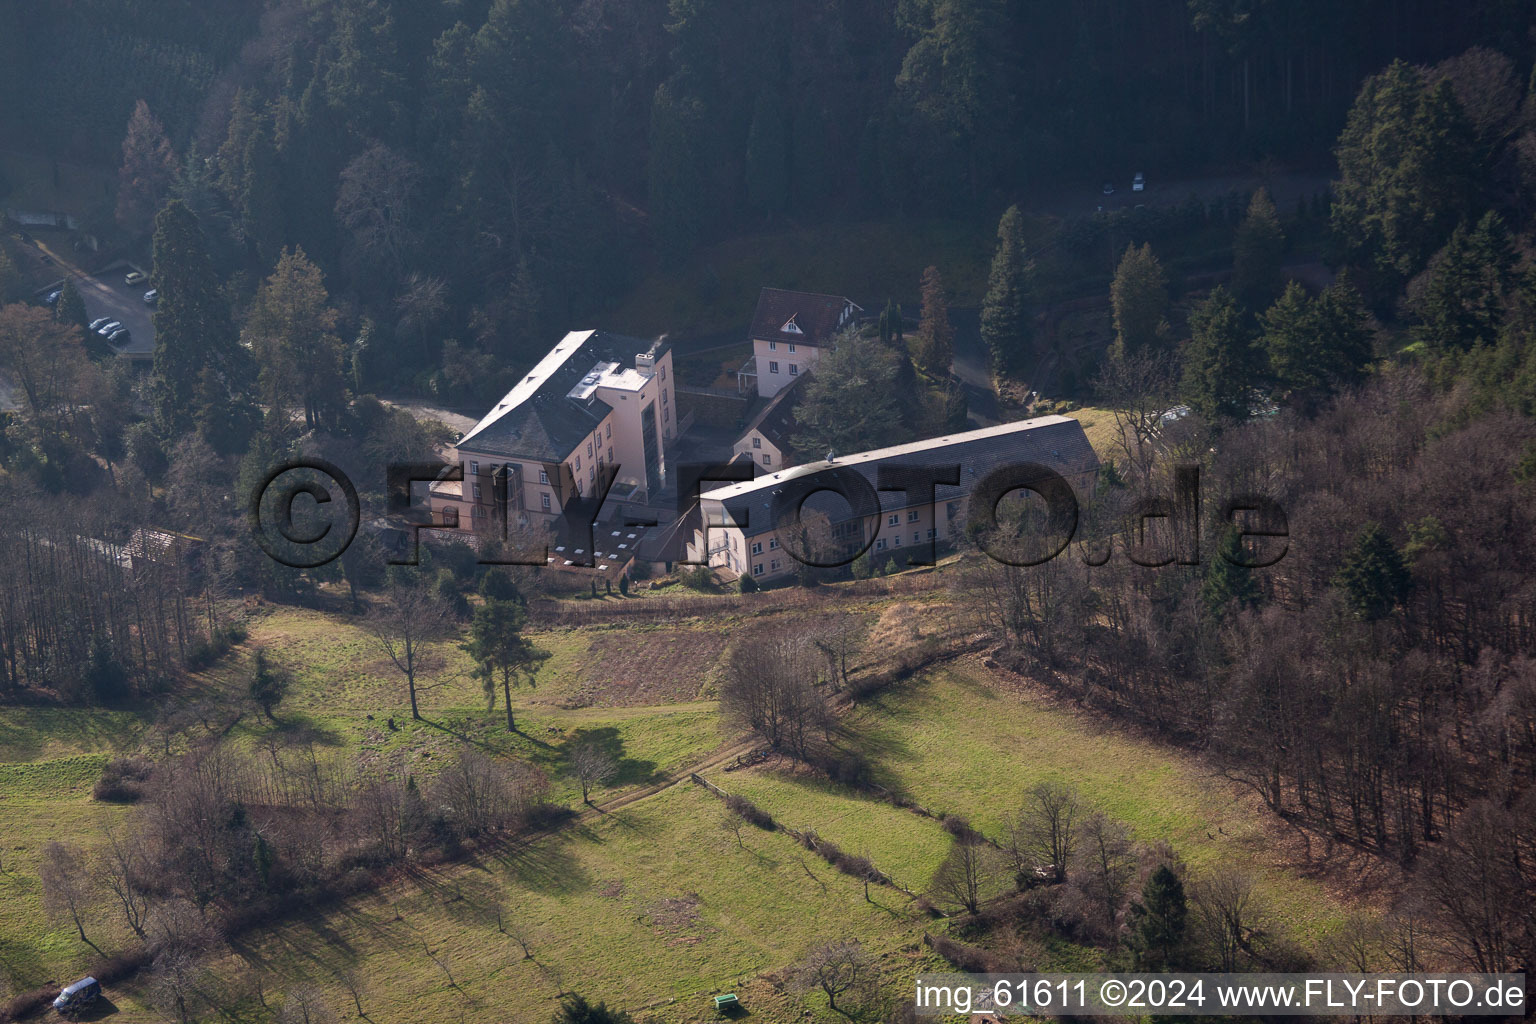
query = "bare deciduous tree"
{"x": 121, "y": 867}
{"x": 1105, "y": 868}
{"x": 306, "y": 1004}
{"x": 770, "y": 688}
{"x": 1044, "y": 832}
{"x": 412, "y": 619}
{"x": 66, "y": 883}
{"x": 1231, "y": 917}
{"x": 962, "y": 874}
{"x": 375, "y": 204}
{"x": 838, "y": 969}
{"x": 591, "y": 766}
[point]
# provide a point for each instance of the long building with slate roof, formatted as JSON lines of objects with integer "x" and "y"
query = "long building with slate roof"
{"x": 737, "y": 529}
{"x": 597, "y": 399}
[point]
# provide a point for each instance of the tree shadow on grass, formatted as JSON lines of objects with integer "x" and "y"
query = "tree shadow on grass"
{"x": 628, "y": 771}
{"x": 544, "y": 864}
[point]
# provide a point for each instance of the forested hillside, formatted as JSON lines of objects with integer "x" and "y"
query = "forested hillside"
{"x": 509, "y": 166}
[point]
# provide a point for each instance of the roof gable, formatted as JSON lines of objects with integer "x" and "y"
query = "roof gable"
{"x": 805, "y": 318}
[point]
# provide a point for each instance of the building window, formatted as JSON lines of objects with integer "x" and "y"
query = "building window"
{"x": 794, "y": 369}
{"x": 663, "y": 396}
{"x": 610, "y": 454}
{"x": 757, "y": 569}
{"x": 932, "y": 534}
{"x": 477, "y": 492}
{"x": 773, "y": 367}
{"x": 880, "y": 544}
{"x": 774, "y": 565}
{"x": 915, "y": 538}
{"x": 757, "y": 547}
{"x": 544, "y": 500}
{"x": 773, "y": 346}
{"x": 767, "y": 459}
{"x": 894, "y": 519}
{"x": 773, "y": 543}
{"x": 477, "y": 512}
{"x": 791, "y": 348}
{"x": 578, "y": 463}
{"x": 757, "y": 442}
{"x": 608, "y": 431}
{"x": 589, "y": 449}
{"x": 591, "y": 474}
{"x": 543, "y": 476}
{"x": 474, "y": 469}
{"x": 913, "y": 515}
{"x": 896, "y": 540}
{"x": 451, "y": 516}
{"x": 663, "y": 373}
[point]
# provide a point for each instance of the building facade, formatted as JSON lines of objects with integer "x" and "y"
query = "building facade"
{"x": 736, "y": 530}
{"x": 789, "y": 332}
{"x": 596, "y": 400}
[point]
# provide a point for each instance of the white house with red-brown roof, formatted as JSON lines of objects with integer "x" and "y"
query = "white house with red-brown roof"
{"x": 789, "y": 332}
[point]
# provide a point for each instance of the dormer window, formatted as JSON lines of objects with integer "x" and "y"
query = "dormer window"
{"x": 790, "y": 327}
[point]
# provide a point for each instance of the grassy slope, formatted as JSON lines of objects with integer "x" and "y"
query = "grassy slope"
{"x": 620, "y": 908}
{"x": 594, "y": 896}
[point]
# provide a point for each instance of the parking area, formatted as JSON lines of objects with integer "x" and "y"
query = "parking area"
{"x": 105, "y": 294}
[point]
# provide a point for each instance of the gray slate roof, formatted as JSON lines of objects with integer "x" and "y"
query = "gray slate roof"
{"x": 1054, "y": 441}
{"x": 545, "y": 424}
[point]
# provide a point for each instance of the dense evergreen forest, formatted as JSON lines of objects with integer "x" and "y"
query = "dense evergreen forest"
{"x": 512, "y": 163}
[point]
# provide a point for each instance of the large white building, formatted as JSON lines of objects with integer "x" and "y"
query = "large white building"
{"x": 597, "y": 399}
{"x": 741, "y": 534}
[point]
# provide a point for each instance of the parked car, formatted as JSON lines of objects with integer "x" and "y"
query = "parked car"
{"x": 1139, "y": 182}
{"x": 100, "y": 322}
{"x": 135, "y": 277}
{"x": 119, "y": 337}
{"x": 108, "y": 328}
{"x": 77, "y": 997}
{"x": 53, "y": 297}
{"x": 1108, "y": 188}
{"x": 152, "y": 296}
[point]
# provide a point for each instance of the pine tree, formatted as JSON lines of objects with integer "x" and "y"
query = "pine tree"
{"x": 892, "y": 330}
{"x": 933, "y": 347}
{"x": 291, "y": 331}
{"x": 1373, "y": 576}
{"x": 1404, "y": 159}
{"x": 1257, "y": 254}
{"x": 261, "y": 205}
{"x": 268, "y": 685}
{"x": 1228, "y": 584}
{"x": 1139, "y": 297}
{"x": 70, "y": 308}
{"x": 1159, "y": 921}
{"x": 1220, "y": 368}
{"x": 1462, "y": 300}
{"x": 767, "y": 163}
{"x": 149, "y": 167}
{"x": 1005, "y": 313}
{"x": 679, "y": 192}
{"x": 192, "y": 323}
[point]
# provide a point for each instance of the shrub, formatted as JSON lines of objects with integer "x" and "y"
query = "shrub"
{"x": 961, "y": 829}
{"x": 750, "y": 812}
{"x": 122, "y": 780}
{"x": 747, "y": 585}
